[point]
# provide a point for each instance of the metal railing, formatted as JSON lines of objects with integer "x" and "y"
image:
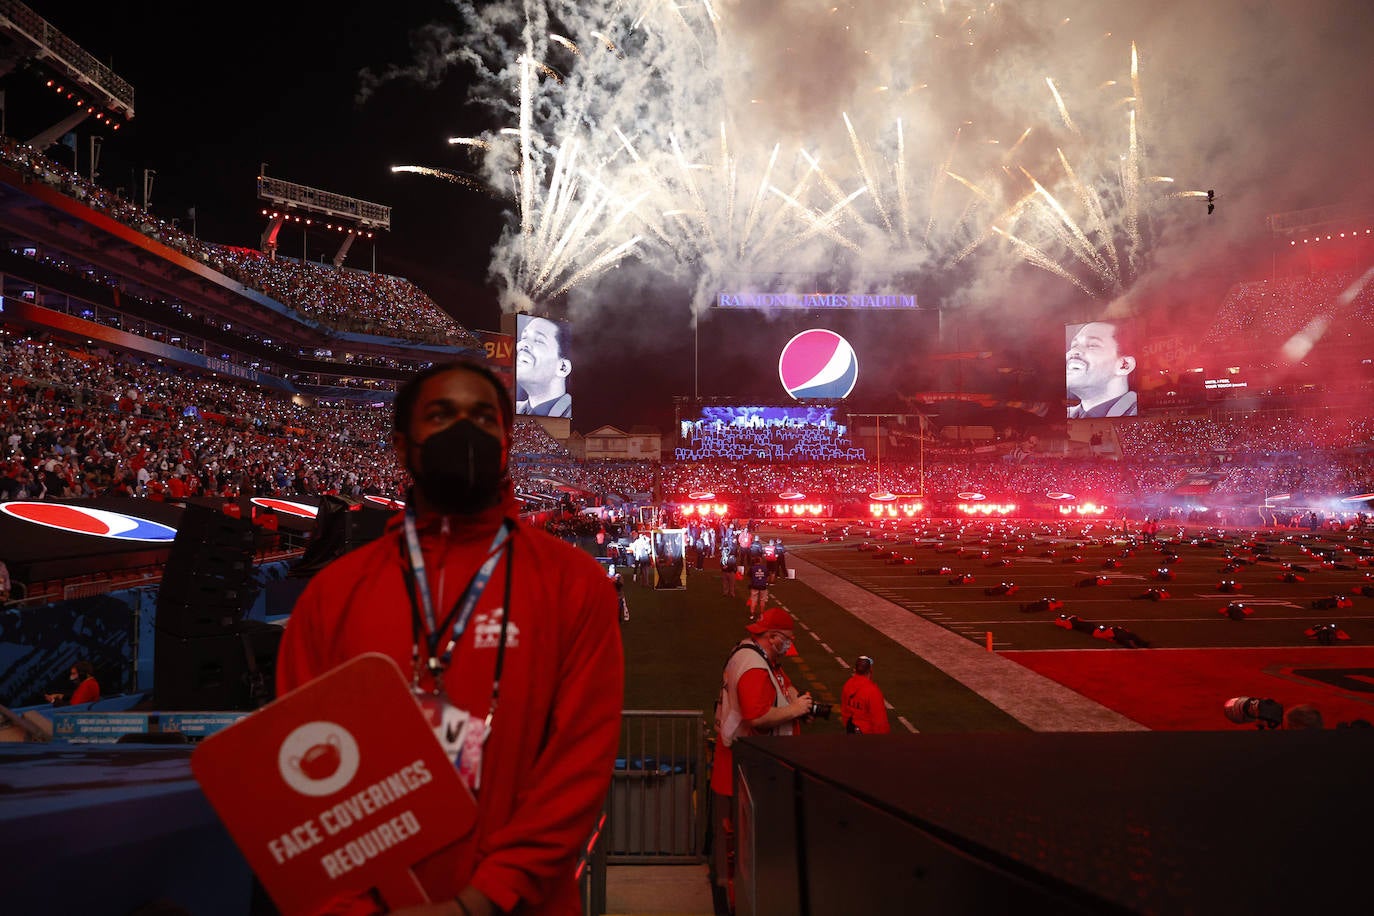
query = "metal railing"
{"x": 655, "y": 809}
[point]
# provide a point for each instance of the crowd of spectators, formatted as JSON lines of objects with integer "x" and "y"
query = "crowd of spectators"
{"x": 1267, "y": 312}
{"x": 341, "y": 298}
{"x": 79, "y": 422}
{"x": 1242, "y": 434}
{"x": 85, "y": 422}
{"x": 346, "y": 299}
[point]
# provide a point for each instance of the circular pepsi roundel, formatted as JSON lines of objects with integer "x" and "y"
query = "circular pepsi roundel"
{"x": 818, "y": 364}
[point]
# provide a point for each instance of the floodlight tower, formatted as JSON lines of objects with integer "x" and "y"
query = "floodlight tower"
{"x": 308, "y": 206}
{"x": 93, "y": 89}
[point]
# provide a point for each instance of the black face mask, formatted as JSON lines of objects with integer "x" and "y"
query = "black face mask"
{"x": 460, "y": 468}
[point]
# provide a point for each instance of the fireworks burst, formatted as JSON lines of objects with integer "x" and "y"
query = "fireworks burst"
{"x": 671, "y": 135}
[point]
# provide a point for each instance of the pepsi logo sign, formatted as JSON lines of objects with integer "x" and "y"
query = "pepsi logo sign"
{"x": 96, "y": 522}
{"x": 818, "y": 363}
{"x": 385, "y": 501}
{"x": 286, "y": 506}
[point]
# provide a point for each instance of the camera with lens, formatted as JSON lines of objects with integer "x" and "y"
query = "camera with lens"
{"x": 820, "y": 710}
{"x": 1265, "y": 713}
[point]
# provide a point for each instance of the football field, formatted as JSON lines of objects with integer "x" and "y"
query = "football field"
{"x": 1013, "y": 625}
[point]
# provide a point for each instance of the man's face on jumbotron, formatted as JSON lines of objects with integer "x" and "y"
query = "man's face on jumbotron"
{"x": 1092, "y": 361}
{"x": 537, "y": 356}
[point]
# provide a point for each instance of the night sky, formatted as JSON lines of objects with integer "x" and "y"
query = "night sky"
{"x": 1267, "y": 102}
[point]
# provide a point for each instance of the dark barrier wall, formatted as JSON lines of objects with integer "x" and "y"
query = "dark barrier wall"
{"x": 118, "y": 829}
{"x": 1239, "y": 821}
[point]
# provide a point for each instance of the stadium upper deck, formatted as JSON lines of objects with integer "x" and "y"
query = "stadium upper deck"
{"x": 80, "y": 262}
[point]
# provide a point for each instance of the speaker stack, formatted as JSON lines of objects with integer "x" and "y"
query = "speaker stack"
{"x": 206, "y": 656}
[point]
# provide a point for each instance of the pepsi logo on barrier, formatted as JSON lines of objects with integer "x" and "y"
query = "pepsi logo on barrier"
{"x": 286, "y": 506}
{"x": 96, "y": 522}
{"x": 385, "y": 501}
{"x": 818, "y": 364}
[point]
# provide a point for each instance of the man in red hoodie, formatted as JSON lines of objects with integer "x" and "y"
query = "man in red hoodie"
{"x": 86, "y": 688}
{"x": 477, "y": 605}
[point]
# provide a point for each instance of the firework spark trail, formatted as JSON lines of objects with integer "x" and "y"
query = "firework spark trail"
{"x": 1025, "y": 135}
{"x": 1073, "y": 234}
{"x": 971, "y": 186}
{"x": 941, "y": 171}
{"x": 1131, "y": 188}
{"x": 751, "y": 220}
{"x": 1040, "y": 259}
{"x": 1097, "y": 218}
{"x": 444, "y": 175}
{"x": 833, "y": 189}
{"x": 730, "y": 170}
{"x": 778, "y": 218}
{"x": 599, "y": 264}
{"x": 1063, "y": 109}
{"x": 903, "y": 195}
{"x": 865, "y": 172}
{"x": 693, "y": 191}
{"x": 526, "y": 175}
{"x": 562, "y": 192}
{"x": 1009, "y": 215}
{"x": 824, "y": 223}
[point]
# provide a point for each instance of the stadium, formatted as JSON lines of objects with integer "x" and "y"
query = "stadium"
{"x": 1087, "y": 621}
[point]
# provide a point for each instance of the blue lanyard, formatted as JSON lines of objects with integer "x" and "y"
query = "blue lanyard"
{"x": 417, "y": 584}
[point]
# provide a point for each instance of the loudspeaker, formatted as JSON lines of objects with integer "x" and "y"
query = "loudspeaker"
{"x": 207, "y": 584}
{"x": 340, "y": 526}
{"x": 234, "y": 670}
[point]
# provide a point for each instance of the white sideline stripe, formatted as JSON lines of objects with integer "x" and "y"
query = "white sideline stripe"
{"x": 1032, "y": 699}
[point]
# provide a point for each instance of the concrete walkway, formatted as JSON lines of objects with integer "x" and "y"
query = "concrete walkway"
{"x": 658, "y": 890}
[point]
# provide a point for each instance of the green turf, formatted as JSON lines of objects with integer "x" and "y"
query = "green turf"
{"x": 676, "y": 643}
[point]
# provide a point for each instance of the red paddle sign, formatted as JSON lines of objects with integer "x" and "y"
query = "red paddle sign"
{"x": 337, "y": 787}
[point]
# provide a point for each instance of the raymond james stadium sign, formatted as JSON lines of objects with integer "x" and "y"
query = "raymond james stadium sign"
{"x": 815, "y": 301}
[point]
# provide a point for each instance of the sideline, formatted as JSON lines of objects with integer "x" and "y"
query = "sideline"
{"x": 1035, "y": 701}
